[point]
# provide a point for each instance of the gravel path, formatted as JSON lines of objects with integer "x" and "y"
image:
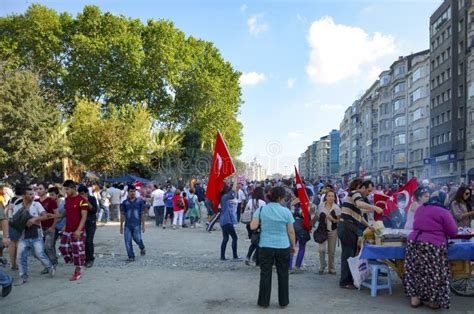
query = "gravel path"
{"x": 182, "y": 273}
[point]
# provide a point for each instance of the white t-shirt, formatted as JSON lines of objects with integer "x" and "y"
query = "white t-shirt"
{"x": 115, "y": 195}
{"x": 157, "y": 196}
{"x": 240, "y": 196}
{"x": 36, "y": 209}
{"x": 254, "y": 207}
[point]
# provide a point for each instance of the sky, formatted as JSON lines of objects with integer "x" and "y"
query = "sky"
{"x": 302, "y": 62}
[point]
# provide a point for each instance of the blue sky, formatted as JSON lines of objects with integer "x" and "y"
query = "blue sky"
{"x": 304, "y": 62}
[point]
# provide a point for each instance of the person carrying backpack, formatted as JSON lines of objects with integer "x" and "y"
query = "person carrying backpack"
{"x": 193, "y": 208}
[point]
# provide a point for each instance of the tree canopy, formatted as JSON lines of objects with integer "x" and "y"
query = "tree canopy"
{"x": 98, "y": 68}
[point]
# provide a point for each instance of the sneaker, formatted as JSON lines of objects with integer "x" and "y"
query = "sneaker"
{"x": 15, "y": 267}
{"x": 164, "y": 227}
{"x": 6, "y": 290}
{"x": 52, "y": 271}
{"x": 237, "y": 259}
{"x": 45, "y": 271}
{"x": 247, "y": 262}
{"x": 75, "y": 276}
{"x": 89, "y": 264}
{"x": 142, "y": 252}
{"x": 131, "y": 260}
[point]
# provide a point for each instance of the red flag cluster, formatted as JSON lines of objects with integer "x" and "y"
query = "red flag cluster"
{"x": 222, "y": 167}
{"x": 389, "y": 203}
{"x": 304, "y": 201}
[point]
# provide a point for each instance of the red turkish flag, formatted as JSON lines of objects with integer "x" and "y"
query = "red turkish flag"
{"x": 389, "y": 203}
{"x": 304, "y": 201}
{"x": 222, "y": 167}
{"x": 408, "y": 190}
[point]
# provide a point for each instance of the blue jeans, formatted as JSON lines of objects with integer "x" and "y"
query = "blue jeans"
{"x": 101, "y": 212}
{"x": 134, "y": 232}
{"x": 5, "y": 280}
{"x": 159, "y": 214}
{"x": 37, "y": 246}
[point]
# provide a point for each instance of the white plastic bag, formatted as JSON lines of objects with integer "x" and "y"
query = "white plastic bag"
{"x": 359, "y": 269}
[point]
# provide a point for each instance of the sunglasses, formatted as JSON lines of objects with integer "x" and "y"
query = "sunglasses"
{"x": 467, "y": 194}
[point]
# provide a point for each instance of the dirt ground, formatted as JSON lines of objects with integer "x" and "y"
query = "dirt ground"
{"x": 182, "y": 273}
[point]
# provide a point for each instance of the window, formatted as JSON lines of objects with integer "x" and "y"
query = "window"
{"x": 417, "y": 155}
{"x": 400, "y": 121}
{"x": 449, "y": 93}
{"x": 449, "y": 136}
{"x": 448, "y": 115}
{"x": 449, "y": 51}
{"x": 442, "y": 117}
{"x": 399, "y": 104}
{"x": 433, "y": 122}
{"x": 432, "y": 103}
{"x": 461, "y": 24}
{"x": 384, "y": 80}
{"x": 460, "y": 134}
{"x": 417, "y": 74}
{"x": 417, "y": 94}
{"x": 460, "y": 68}
{"x": 460, "y": 90}
{"x": 443, "y": 56}
{"x": 449, "y": 30}
{"x": 400, "y": 87}
{"x": 443, "y": 96}
{"x": 448, "y": 72}
{"x": 461, "y": 112}
{"x": 417, "y": 114}
{"x": 399, "y": 70}
{"x": 432, "y": 65}
{"x": 399, "y": 139}
{"x": 418, "y": 134}
{"x": 400, "y": 158}
{"x": 470, "y": 90}
{"x": 461, "y": 46}
{"x": 441, "y": 20}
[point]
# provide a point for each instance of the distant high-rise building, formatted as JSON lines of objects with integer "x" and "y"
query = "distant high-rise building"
{"x": 449, "y": 27}
{"x": 334, "y": 137}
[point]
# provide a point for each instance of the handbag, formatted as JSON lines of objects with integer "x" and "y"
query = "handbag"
{"x": 247, "y": 215}
{"x": 255, "y": 237}
{"x": 320, "y": 235}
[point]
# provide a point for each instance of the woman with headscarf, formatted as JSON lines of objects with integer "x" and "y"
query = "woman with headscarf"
{"x": 426, "y": 265}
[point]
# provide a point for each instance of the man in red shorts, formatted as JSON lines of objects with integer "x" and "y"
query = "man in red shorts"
{"x": 73, "y": 240}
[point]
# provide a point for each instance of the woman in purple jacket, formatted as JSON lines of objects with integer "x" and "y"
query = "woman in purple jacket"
{"x": 426, "y": 266}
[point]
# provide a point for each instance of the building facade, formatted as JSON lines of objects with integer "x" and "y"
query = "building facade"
{"x": 334, "y": 137}
{"x": 323, "y": 147}
{"x": 255, "y": 171}
{"x": 448, "y": 30}
{"x": 418, "y": 119}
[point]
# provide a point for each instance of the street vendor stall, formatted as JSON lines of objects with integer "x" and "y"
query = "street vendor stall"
{"x": 460, "y": 256}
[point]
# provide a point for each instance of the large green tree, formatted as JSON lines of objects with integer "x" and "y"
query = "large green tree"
{"x": 27, "y": 125}
{"x": 120, "y": 65}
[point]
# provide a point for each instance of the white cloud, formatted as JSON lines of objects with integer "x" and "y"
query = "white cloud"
{"x": 251, "y": 78}
{"x": 291, "y": 82}
{"x": 340, "y": 51}
{"x": 243, "y": 8}
{"x": 256, "y": 26}
{"x": 295, "y": 135}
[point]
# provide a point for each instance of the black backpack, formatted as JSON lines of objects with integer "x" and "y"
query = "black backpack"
{"x": 20, "y": 219}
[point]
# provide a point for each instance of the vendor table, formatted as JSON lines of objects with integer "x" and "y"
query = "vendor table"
{"x": 460, "y": 256}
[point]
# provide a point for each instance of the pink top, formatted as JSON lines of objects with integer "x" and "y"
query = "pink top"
{"x": 433, "y": 224}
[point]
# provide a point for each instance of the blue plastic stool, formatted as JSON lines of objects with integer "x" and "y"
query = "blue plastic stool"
{"x": 374, "y": 283}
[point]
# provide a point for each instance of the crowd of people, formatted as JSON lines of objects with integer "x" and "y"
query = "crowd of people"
{"x": 35, "y": 216}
